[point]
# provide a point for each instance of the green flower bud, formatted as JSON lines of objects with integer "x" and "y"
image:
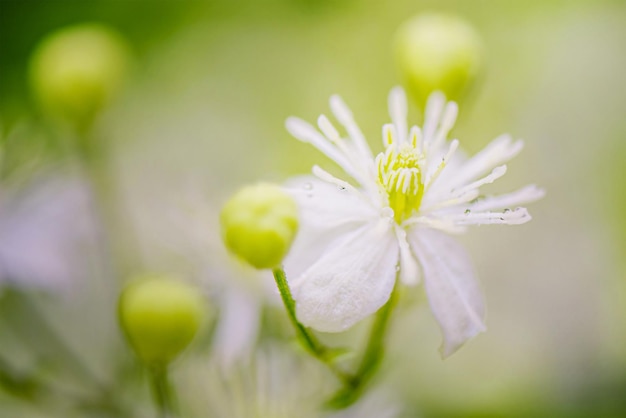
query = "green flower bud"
{"x": 438, "y": 52}
{"x": 75, "y": 71}
{"x": 160, "y": 317}
{"x": 259, "y": 224}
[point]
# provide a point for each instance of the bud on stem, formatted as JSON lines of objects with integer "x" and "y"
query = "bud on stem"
{"x": 438, "y": 52}
{"x": 259, "y": 224}
{"x": 75, "y": 71}
{"x": 160, "y": 317}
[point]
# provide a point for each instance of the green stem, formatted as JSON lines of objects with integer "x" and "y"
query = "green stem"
{"x": 375, "y": 349}
{"x": 162, "y": 391}
{"x": 308, "y": 340}
{"x": 353, "y": 384}
{"x": 371, "y": 360}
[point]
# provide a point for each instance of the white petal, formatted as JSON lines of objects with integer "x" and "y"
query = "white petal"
{"x": 45, "y": 235}
{"x": 325, "y": 205}
{"x": 350, "y": 281}
{"x": 328, "y": 129}
{"x": 434, "y": 174}
{"x": 524, "y": 195}
{"x": 453, "y": 293}
{"x": 516, "y": 216}
{"x": 447, "y": 122}
{"x": 326, "y": 212}
{"x": 324, "y": 175}
{"x": 499, "y": 151}
{"x": 434, "y": 107}
{"x": 398, "y": 112}
{"x": 409, "y": 269}
{"x": 308, "y": 134}
{"x": 441, "y": 224}
{"x": 238, "y": 327}
{"x": 344, "y": 116}
{"x": 450, "y": 203}
{"x": 442, "y": 198}
{"x": 495, "y": 174}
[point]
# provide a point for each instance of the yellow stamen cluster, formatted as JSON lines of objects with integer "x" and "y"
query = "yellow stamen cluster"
{"x": 400, "y": 176}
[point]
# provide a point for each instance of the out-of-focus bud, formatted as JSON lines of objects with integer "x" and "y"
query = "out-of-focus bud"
{"x": 75, "y": 71}
{"x": 160, "y": 316}
{"x": 438, "y": 52}
{"x": 259, "y": 224}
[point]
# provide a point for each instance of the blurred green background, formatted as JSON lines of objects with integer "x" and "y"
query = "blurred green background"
{"x": 203, "y": 112}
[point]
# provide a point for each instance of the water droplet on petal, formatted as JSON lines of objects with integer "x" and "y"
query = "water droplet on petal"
{"x": 467, "y": 211}
{"x": 308, "y": 186}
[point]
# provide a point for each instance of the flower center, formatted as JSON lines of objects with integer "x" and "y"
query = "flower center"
{"x": 400, "y": 177}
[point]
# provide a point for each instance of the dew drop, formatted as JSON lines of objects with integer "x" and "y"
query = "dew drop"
{"x": 467, "y": 211}
{"x": 507, "y": 210}
{"x": 308, "y": 186}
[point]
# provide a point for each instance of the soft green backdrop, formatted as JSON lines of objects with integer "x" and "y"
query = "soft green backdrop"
{"x": 203, "y": 114}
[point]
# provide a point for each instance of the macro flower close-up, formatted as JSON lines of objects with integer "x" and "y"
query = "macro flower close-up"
{"x": 355, "y": 240}
{"x": 183, "y": 235}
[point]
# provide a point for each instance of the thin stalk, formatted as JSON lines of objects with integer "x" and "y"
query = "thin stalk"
{"x": 375, "y": 349}
{"x": 163, "y": 392}
{"x": 353, "y": 384}
{"x": 371, "y": 360}
{"x": 308, "y": 340}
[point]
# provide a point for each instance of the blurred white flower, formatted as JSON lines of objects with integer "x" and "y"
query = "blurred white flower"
{"x": 354, "y": 240}
{"x": 45, "y": 231}
{"x": 281, "y": 383}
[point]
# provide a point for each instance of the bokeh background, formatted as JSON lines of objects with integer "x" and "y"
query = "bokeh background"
{"x": 202, "y": 113}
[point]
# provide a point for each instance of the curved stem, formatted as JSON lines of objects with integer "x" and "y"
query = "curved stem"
{"x": 354, "y": 384}
{"x": 308, "y": 340}
{"x": 375, "y": 350}
{"x": 162, "y": 391}
{"x": 371, "y": 360}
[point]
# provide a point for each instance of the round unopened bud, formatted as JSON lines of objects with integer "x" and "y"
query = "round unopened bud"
{"x": 76, "y": 70}
{"x": 259, "y": 224}
{"x": 160, "y": 316}
{"x": 438, "y": 52}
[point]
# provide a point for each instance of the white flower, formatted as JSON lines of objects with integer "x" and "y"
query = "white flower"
{"x": 46, "y": 235}
{"x": 354, "y": 239}
{"x": 279, "y": 383}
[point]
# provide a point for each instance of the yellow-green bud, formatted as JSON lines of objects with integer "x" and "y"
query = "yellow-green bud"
{"x": 77, "y": 70}
{"x": 259, "y": 224}
{"x": 160, "y": 316}
{"x": 438, "y": 52}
